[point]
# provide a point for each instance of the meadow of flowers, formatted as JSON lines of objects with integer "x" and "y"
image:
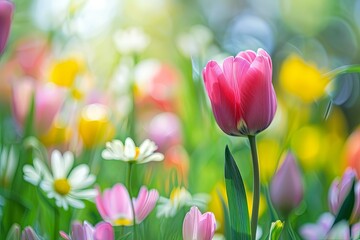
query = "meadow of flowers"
{"x": 168, "y": 119}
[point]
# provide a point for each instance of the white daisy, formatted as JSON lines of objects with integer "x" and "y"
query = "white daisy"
{"x": 34, "y": 174}
{"x": 180, "y": 197}
{"x": 65, "y": 184}
{"x": 116, "y": 150}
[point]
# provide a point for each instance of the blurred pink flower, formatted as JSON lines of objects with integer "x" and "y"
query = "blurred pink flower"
{"x": 198, "y": 226}
{"x": 324, "y": 229}
{"x": 6, "y": 13}
{"x": 339, "y": 190}
{"x": 286, "y": 188}
{"x": 30, "y": 54}
{"x": 101, "y": 231}
{"x": 114, "y": 205}
{"x": 242, "y": 96}
{"x": 48, "y": 101}
{"x": 165, "y": 130}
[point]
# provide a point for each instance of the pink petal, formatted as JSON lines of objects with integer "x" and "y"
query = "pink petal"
{"x": 145, "y": 203}
{"x": 104, "y": 230}
{"x": 6, "y": 13}
{"x": 100, "y": 205}
{"x": 248, "y": 55}
{"x": 48, "y": 101}
{"x": 258, "y": 96}
{"x": 190, "y": 224}
{"x": 207, "y": 226}
{"x": 22, "y": 92}
{"x": 120, "y": 204}
{"x": 222, "y": 98}
{"x": 77, "y": 231}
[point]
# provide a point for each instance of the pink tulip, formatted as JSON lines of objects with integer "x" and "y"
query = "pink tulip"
{"x": 286, "y": 188}
{"x": 198, "y": 226}
{"x": 101, "y": 231}
{"x": 114, "y": 205}
{"x": 241, "y": 92}
{"x": 48, "y": 100}
{"x": 339, "y": 190}
{"x": 6, "y": 13}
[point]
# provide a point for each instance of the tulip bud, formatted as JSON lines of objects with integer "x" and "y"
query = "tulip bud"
{"x": 286, "y": 188}
{"x": 6, "y": 13}
{"x": 275, "y": 230}
{"x": 339, "y": 190}
{"x": 29, "y": 234}
{"x": 198, "y": 226}
{"x": 241, "y": 93}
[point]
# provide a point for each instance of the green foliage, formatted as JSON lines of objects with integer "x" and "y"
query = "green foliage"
{"x": 235, "y": 190}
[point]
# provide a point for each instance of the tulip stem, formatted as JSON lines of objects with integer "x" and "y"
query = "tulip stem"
{"x": 256, "y": 187}
{"x": 131, "y": 196}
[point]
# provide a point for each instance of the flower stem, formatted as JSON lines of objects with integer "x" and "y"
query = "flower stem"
{"x": 131, "y": 196}
{"x": 256, "y": 187}
{"x": 56, "y": 222}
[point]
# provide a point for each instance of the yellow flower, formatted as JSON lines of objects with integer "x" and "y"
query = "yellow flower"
{"x": 269, "y": 153}
{"x": 64, "y": 72}
{"x": 95, "y": 127}
{"x": 215, "y": 205}
{"x": 302, "y": 79}
{"x": 58, "y": 134}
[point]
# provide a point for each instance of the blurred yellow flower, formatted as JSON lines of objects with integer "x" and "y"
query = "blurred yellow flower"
{"x": 215, "y": 205}
{"x": 302, "y": 79}
{"x": 64, "y": 72}
{"x": 309, "y": 146}
{"x": 58, "y": 134}
{"x": 95, "y": 127}
{"x": 269, "y": 153}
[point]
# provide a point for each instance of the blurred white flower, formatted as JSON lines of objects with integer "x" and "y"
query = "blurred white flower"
{"x": 65, "y": 184}
{"x": 8, "y": 162}
{"x": 180, "y": 197}
{"x": 116, "y": 150}
{"x": 131, "y": 41}
{"x": 195, "y": 41}
{"x": 34, "y": 174}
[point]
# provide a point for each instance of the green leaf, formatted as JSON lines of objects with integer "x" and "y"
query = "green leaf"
{"x": 347, "y": 206}
{"x": 29, "y": 123}
{"x": 275, "y": 230}
{"x": 343, "y": 70}
{"x": 235, "y": 190}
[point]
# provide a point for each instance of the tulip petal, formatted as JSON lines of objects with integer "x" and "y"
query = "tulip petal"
{"x": 222, "y": 98}
{"x": 104, "y": 230}
{"x": 257, "y": 96}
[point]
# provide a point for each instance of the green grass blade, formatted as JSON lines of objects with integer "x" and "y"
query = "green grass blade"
{"x": 235, "y": 190}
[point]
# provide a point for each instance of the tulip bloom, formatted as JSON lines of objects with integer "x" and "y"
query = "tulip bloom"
{"x": 114, "y": 205}
{"x": 48, "y": 101}
{"x": 198, "y": 226}
{"x": 6, "y": 13}
{"x": 102, "y": 230}
{"x": 339, "y": 190}
{"x": 286, "y": 189}
{"x": 241, "y": 92}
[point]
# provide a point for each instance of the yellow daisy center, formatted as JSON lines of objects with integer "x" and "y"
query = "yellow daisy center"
{"x": 175, "y": 194}
{"x": 137, "y": 152}
{"x": 123, "y": 222}
{"x": 62, "y": 186}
